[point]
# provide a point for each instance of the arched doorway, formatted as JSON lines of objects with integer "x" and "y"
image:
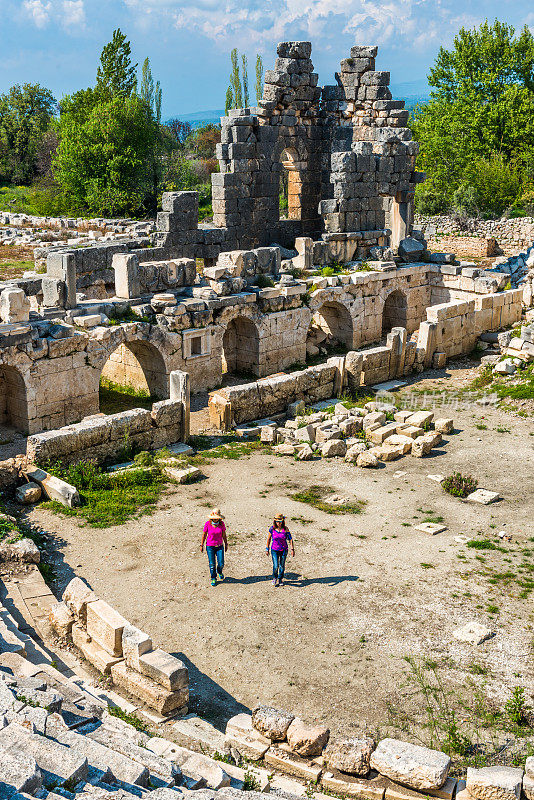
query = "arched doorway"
{"x": 13, "y": 400}
{"x": 241, "y": 347}
{"x": 395, "y": 312}
{"x": 290, "y": 184}
{"x": 133, "y": 376}
{"x": 331, "y": 329}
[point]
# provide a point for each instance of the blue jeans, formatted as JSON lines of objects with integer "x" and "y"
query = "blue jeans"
{"x": 279, "y": 563}
{"x": 215, "y": 556}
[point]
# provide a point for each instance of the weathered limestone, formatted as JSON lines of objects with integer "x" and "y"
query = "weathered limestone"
{"x": 54, "y": 488}
{"x": 28, "y": 493}
{"x": 350, "y": 755}
{"x": 168, "y": 671}
{"x": 272, "y": 722}
{"x": 307, "y": 740}
{"x": 135, "y": 644}
{"x": 61, "y": 619}
{"x": 241, "y": 734}
{"x": 473, "y": 633}
{"x": 415, "y": 766}
{"x": 105, "y": 627}
{"x": 156, "y": 696}
{"x": 14, "y": 306}
{"x": 292, "y": 764}
{"x": 494, "y": 783}
{"x": 127, "y": 282}
{"x": 76, "y": 596}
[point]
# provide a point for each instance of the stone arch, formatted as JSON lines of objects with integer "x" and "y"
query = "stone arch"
{"x": 13, "y": 399}
{"x": 140, "y": 365}
{"x": 331, "y": 326}
{"x": 395, "y": 311}
{"x": 241, "y": 346}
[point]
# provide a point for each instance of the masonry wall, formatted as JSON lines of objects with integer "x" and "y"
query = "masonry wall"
{"x": 443, "y": 233}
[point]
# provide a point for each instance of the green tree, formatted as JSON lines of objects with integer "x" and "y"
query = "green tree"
{"x": 116, "y": 74}
{"x": 229, "y": 100}
{"x": 244, "y": 74}
{"x": 259, "y": 78}
{"x": 104, "y": 163}
{"x": 235, "y": 79}
{"x": 149, "y": 91}
{"x": 26, "y": 113}
{"x": 481, "y": 112}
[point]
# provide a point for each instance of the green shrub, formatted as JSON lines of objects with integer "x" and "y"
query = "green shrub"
{"x": 517, "y": 707}
{"x": 459, "y": 485}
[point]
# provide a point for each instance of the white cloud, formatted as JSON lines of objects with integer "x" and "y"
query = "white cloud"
{"x": 416, "y": 23}
{"x": 67, "y": 13}
{"x": 38, "y": 12}
{"x": 74, "y": 13}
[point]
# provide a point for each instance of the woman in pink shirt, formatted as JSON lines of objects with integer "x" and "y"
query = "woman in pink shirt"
{"x": 277, "y": 543}
{"x": 214, "y": 536}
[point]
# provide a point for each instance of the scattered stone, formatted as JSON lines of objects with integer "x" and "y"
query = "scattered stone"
{"x": 444, "y": 425}
{"x": 334, "y": 447}
{"x": 430, "y": 527}
{"x": 415, "y": 766}
{"x": 187, "y": 475}
{"x": 61, "y": 619}
{"x": 54, "y": 488}
{"x": 24, "y": 550}
{"x": 272, "y": 722}
{"x": 293, "y": 764}
{"x": 473, "y": 633}
{"x": 28, "y": 493}
{"x": 350, "y": 755}
{"x": 367, "y": 459}
{"x": 494, "y": 783}
{"x": 354, "y": 451}
{"x": 305, "y": 453}
{"x": 241, "y": 734}
{"x": 307, "y": 740}
{"x": 483, "y": 496}
{"x": 437, "y": 478}
{"x": 285, "y": 449}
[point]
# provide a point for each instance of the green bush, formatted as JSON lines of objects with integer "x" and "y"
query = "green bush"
{"x": 429, "y": 200}
{"x": 459, "y": 485}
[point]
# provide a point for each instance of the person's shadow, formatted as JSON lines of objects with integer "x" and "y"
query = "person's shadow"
{"x": 293, "y": 579}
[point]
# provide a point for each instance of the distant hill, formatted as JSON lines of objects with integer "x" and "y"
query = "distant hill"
{"x": 412, "y": 92}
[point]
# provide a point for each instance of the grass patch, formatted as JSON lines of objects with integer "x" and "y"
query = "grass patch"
{"x": 14, "y": 268}
{"x": 108, "y": 499}
{"x": 129, "y": 717}
{"x": 115, "y": 398}
{"x": 483, "y": 544}
{"x": 232, "y": 449}
{"x": 317, "y": 496}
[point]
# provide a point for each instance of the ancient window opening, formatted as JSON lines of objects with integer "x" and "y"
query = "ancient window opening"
{"x": 290, "y": 185}
{"x": 395, "y": 312}
{"x": 241, "y": 348}
{"x": 13, "y": 400}
{"x": 134, "y": 376}
{"x": 196, "y": 346}
{"x": 331, "y": 330}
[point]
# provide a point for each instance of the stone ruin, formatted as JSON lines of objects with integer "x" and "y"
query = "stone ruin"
{"x": 249, "y": 293}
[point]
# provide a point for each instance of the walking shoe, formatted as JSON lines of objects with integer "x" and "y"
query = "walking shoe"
{"x": 275, "y": 582}
{"x": 281, "y": 582}
{"x": 221, "y": 576}
{"x": 213, "y": 582}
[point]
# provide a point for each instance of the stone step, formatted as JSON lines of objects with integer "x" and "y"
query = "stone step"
{"x": 193, "y": 731}
{"x": 11, "y": 639}
{"x": 55, "y": 760}
{"x": 193, "y": 765}
{"x": 18, "y": 773}
{"x": 167, "y": 770}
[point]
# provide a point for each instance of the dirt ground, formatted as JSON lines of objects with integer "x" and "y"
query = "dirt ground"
{"x": 362, "y": 593}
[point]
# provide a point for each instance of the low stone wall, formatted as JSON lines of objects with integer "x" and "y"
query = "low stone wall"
{"x": 111, "y": 644}
{"x": 443, "y": 233}
{"x": 103, "y": 437}
{"x": 272, "y": 395}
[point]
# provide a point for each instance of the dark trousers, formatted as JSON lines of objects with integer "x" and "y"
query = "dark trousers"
{"x": 215, "y": 560}
{"x": 279, "y": 563}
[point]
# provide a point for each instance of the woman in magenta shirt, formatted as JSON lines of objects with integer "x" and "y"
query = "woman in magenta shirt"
{"x": 214, "y": 536}
{"x": 279, "y": 537}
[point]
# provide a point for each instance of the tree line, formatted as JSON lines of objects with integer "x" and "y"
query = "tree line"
{"x": 103, "y": 150}
{"x": 476, "y": 133}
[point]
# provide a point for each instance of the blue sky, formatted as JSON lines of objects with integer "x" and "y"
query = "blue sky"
{"x": 57, "y": 42}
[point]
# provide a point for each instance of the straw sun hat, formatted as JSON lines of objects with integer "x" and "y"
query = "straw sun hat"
{"x": 216, "y": 514}
{"x": 279, "y": 518}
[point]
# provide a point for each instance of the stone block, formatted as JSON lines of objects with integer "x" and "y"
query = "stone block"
{"x": 367, "y": 459}
{"x": 28, "y": 493}
{"x": 135, "y": 643}
{"x": 444, "y": 425}
{"x": 351, "y": 786}
{"x": 334, "y": 447}
{"x": 473, "y": 633}
{"x": 76, "y": 596}
{"x": 241, "y": 734}
{"x": 92, "y": 651}
{"x": 415, "y": 766}
{"x": 307, "y": 740}
{"x": 14, "y": 306}
{"x": 494, "y": 783}
{"x": 105, "y": 626}
{"x": 53, "y": 488}
{"x": 186, "y": 475}
{"x": 168, "y": 671}
{"x": 350, "y": 754}
{"x": 153, "y": 694}
{"x": 420, "y": 418}
{"x": 373, "y": 418}
{"x": 292, "y": 764}
{"x": 272, "y": 722}
{"x": 379, "y": 435}
{"x": 127, "y": 275}
{"x": 483, "y": 496}
{"x": 61, "y": 619}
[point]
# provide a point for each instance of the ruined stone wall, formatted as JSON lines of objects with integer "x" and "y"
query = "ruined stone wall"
{"x": 510, "y": 235}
